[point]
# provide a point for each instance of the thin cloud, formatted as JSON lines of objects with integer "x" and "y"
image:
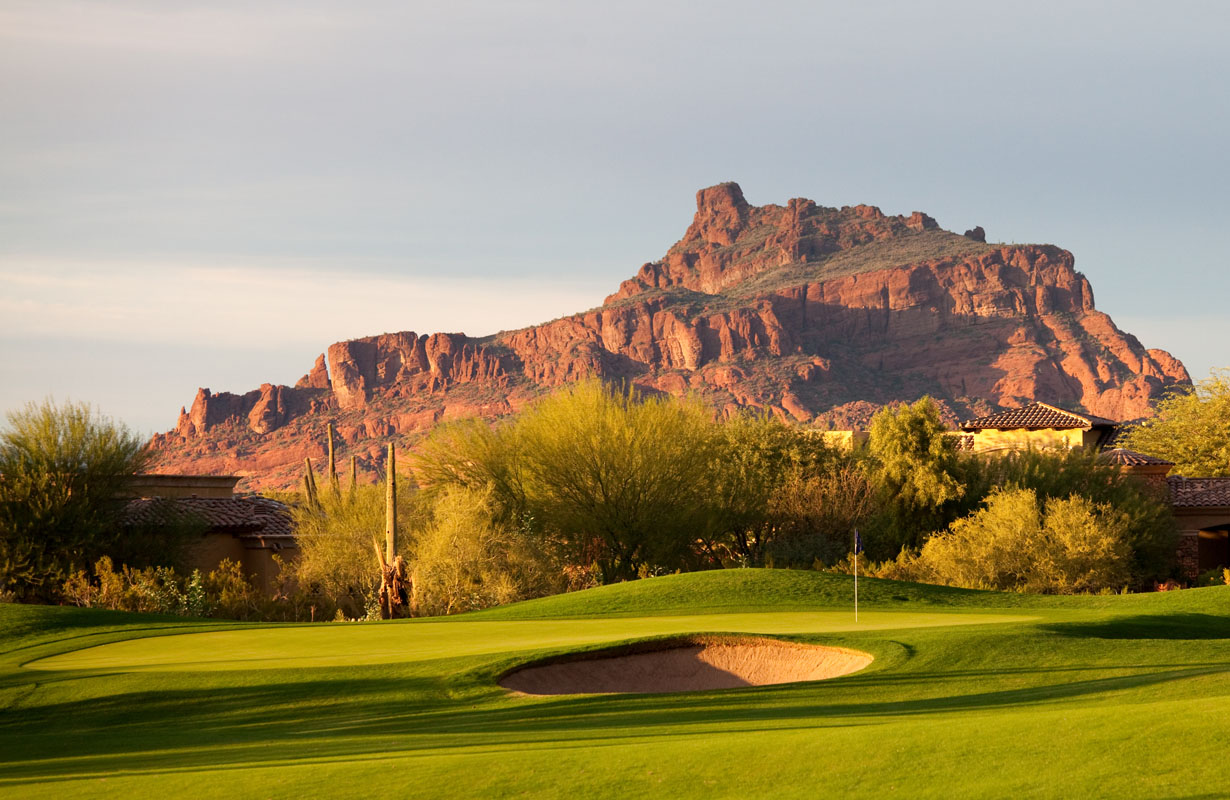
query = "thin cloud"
{"x": 231, "y": 306}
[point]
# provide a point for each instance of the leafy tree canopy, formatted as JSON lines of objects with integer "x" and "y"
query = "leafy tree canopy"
{"x": 1192, "y": 429}
{"x": 63, "y": 471}
{"x": 916, "y": 460}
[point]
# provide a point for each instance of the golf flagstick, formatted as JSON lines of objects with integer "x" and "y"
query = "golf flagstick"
{"x": 858, "y": 548}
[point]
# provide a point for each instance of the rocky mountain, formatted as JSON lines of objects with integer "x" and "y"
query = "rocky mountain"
{"x": 819, "y": 315}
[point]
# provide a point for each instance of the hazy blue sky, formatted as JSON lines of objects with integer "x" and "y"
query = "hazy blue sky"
{"x": 211, "y": 193}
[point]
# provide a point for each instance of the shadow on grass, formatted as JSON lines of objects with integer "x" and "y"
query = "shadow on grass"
{"x": 1158, "y": 626}
{"x": 332, "y": 719}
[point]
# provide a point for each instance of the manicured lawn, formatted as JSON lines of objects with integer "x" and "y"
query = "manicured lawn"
{"x": 971, "y": 694}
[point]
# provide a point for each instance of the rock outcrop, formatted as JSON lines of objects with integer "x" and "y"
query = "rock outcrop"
{"x": 819, "y": 315}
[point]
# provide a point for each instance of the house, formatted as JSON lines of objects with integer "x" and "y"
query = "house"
{"x": 1202, "y": 509}
{"x": 1201, "y": 506}
{"x": 247, "y": 529}
{"x": 1036, "y": 425}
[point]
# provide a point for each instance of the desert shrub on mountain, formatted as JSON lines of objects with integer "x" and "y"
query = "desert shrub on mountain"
{"x": 1022, "y": 542}
{"x": 63, "y": 470}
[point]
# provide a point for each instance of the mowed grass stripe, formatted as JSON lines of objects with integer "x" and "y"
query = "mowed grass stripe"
{"x": 1078, "y": 697}
{"x": 358, "y": 645}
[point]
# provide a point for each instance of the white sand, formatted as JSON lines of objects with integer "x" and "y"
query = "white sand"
{"x": 688, "y": 666}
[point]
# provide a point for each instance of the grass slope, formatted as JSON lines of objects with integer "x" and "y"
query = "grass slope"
{"x": 972, "y": 694}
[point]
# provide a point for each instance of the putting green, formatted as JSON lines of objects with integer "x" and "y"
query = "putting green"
{"x": 417, "y": 641}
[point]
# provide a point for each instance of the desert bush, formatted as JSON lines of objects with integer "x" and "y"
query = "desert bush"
{"x": 223, "y": 593}
{"x": 815, "y": 515}
{"x": 1019, "y": 542}
{"x": 1061, "y": 473}
{"x": 154, "y": 590}
{"x": 63, "y": 469}
{"x": 759, "y": 464}
{"x": 337, "y": 566}
{"x": 474, "y": 455}
{"x": 1218, "y": 576}
{"x": 466, "y": 559}
{"x": 618, "y": 477}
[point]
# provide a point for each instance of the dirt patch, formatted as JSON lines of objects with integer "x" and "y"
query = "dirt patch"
{"x": 685, "y": 665}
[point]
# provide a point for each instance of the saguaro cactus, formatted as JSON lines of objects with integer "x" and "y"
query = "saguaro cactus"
{"x": 393, "y": 590}
{"x": 390, "y": 507}
{"x": 333, "y": 481}
{"x": 309, "y": 484}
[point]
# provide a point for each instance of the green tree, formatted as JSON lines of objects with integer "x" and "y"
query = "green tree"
{"x": 781, "y": 495}
{"x": 622, "y": 477}
{"x": 916, "y": 460}
{"x": 754, "y": 456}
{"x": 63, "y": 472}
{"x": 619, "y": 478}
{"x": 1192, "y": 428}
{"x": 916, "y": 467}
{"x": 471, "y": 454}
{"x": 815, "y": 515}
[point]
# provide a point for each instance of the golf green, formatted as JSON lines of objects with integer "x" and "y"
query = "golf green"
{"x": 971, "y": 694}
{"x": 350, "y": 645}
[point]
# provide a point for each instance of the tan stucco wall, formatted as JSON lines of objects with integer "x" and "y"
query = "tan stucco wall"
{"x": 259, "y": 564}
{"x": 214, "y": 548}
{"x": 183, "y": 485}
{"x": 990, "y": 440}
{"x": 845, "y": 440}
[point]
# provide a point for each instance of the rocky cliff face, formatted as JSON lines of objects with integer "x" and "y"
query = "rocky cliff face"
{"x": 819, "y": 315}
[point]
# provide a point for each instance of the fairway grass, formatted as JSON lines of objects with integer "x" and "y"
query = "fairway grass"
{"x": 970, "y": 695}
{"x": 416, "y": 641}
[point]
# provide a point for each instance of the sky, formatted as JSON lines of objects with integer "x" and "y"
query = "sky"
{"x": 210, "y": 193}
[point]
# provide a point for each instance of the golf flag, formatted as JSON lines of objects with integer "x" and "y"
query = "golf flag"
{"x": 858, "y": 548}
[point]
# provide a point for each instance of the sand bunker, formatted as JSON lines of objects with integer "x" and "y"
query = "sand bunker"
{"x": 685, "y": 665}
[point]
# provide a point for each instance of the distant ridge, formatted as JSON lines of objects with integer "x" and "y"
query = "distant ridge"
{"x": 819, "y": 315}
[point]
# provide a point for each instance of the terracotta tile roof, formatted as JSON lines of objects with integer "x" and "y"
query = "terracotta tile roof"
{"x": 1199, "y": 492}
{"x": 1035, "y": 416}
{"x": 241, "y": 516}
{"x": 1130, "y": 458}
